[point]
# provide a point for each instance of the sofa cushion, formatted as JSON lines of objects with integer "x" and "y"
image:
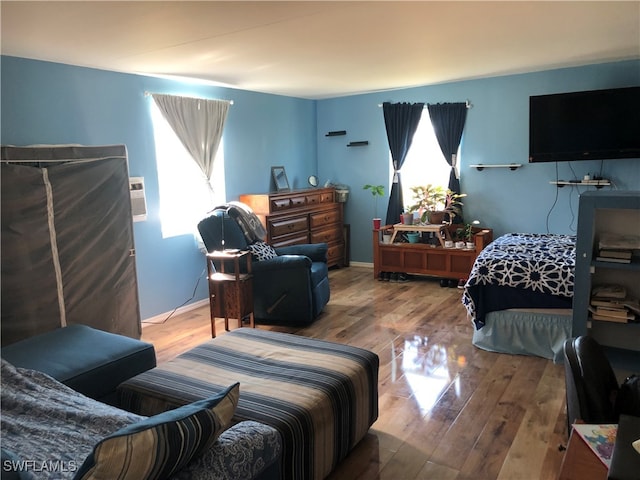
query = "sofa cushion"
{"x": 160, "y": 446}
{"x": 262, "y": 251}
{"x": 90, "y": 361}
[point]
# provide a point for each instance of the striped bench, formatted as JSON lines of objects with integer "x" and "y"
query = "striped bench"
{"x": 321, "y": 396}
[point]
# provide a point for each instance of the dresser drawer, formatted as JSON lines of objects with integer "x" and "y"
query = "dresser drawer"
{"x": 296, "y": 239}
{"x": 279, "y": 204}
{"x": 326, "y": 235}
{"x": 313, "y": 199}
{"x": 326, "y": 197}
{"x": 286, "y": 226}
{"x": 321, "y": 219}
{"x": 298, "y": 201}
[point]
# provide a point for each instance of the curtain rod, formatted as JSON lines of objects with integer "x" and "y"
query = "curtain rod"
{"x": 149, "y": 94}
{"x": 467, "y": 103}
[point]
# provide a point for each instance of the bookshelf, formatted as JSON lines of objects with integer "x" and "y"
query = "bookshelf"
{"x": 604, "y": 214}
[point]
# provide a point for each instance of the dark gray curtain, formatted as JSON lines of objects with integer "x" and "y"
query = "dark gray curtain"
{"x": 448, "y": 121}
{"x": 401, "y": 121}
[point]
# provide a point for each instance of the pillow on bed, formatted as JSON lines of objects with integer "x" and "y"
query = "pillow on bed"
{"x": 160, "y": 446}
{"x": 262, "y": 251}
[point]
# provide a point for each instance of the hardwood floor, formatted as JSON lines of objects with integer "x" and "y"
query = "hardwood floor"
{"x": 447, "y": 409}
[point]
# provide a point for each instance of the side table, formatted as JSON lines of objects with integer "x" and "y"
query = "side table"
{"x": 230, "y": 290}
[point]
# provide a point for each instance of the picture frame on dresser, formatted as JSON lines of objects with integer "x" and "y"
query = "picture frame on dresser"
{"x": 280, "y": 178}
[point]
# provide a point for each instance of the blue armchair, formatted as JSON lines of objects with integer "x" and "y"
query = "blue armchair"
{"x": 291, "y": 288}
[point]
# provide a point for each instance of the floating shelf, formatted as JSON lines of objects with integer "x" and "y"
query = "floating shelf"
{"x": 336, "y": 133}
{"x": 510, "y": 166}
{"x": 586, "y": 183}
{"x": 358, "y": 144}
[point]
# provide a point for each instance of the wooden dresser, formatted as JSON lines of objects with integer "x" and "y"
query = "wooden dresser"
{"x": 302, "y": 216}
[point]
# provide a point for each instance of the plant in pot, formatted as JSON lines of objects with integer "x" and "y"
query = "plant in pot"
{"x": 469, "y": 232}
{"x": 376, "y": 191}
{"x": 433, "y": 202}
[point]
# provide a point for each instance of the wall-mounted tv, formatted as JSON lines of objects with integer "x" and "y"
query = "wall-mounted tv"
{"x": 591, "y": 125}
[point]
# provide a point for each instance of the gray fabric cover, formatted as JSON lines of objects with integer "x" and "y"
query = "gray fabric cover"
{"x": 67, "y": 241}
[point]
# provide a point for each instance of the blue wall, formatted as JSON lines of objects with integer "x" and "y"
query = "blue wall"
{"x": 53, "y": 103}
{"x": 496, "y": 132}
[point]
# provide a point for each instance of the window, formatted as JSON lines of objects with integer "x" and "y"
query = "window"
{"x": 185, "y": 197}
{"x": 425, "y": 163}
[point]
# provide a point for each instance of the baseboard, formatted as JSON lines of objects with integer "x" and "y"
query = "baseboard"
{"x": 361, "y": 264}
{"x": 162, "y": 316}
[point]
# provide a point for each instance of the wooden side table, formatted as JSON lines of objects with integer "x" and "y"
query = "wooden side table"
{"x": 230, "y": 290}
{"x": 580, "y": 463}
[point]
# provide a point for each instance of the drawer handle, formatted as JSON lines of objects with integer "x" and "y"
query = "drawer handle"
{"x": 327, "y": 218}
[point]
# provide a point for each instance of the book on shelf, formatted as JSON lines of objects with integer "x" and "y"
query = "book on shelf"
{"x": 629, "y": 303}
{"x": 615, "y": 312}
{"x": 609, "y": 291}
{"x": 607, "y": 318}
{"x": 613, "y": 260}
{"x": 621, "y": 254}
{"x": 615, "y": 241}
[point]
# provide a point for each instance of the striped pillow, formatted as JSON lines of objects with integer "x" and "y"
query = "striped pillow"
{"x": 159, "y": 446}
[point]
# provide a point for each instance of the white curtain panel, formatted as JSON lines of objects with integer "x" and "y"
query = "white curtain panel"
{"x": 198, "y": 123}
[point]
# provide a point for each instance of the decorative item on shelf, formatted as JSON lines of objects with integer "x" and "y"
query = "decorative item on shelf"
{"x": 469, "y": 232}
{"x": 361, "y": 143}
{"x": 413, "y": 237}
{"x": 407, "y": 218}
{"x": 342, "y": 193}
{"x": 376, "y": 191}
{"x": 434, "y": 202}
{"x": 280, "y": 179}
{"x": 336, "y": 133}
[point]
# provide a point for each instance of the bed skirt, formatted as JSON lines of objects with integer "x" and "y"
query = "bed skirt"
{"x": 540, "y": 332}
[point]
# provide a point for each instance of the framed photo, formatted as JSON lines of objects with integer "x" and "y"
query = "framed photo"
{"x": 280, "y": 178}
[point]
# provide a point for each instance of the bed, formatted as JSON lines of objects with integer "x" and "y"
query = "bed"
{"x": 519, "y": 294}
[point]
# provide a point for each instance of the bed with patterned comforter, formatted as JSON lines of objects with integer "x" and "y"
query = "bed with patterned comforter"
{"x": 521, "y": 270}
{"x": 519, "y": 294}
{"x": 48, "y": 430}
{"x": 321, "y": 396}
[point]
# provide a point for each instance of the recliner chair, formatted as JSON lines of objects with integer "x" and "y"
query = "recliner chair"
{"x": 292, "y": 288}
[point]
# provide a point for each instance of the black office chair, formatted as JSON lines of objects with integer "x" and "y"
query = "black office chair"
{"x": 591, "y": 384}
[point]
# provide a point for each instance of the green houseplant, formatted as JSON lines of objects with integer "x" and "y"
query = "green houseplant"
{"x": 433, "y": 202}
{"x": 376, "y": 191}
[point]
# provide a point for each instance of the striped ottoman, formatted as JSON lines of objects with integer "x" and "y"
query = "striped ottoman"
{"x": 321, "y": 396}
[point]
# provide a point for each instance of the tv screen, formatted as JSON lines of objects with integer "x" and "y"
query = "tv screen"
{"x": 591, "y": 125}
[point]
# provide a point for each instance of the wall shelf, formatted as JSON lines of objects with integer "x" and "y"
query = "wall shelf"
{"x": 585, "y": 183}
{"x": 336, "y": 133}
{"x": 358, "y": 144}
{"x": 510, "y": 166}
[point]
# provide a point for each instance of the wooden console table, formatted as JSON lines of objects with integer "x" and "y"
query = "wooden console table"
{"x": 425, "y": 259}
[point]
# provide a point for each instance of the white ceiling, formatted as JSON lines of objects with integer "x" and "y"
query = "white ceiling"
{"x": 320, "y": 49}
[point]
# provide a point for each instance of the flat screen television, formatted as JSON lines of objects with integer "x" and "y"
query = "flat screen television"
{"x": 591, "y": 125}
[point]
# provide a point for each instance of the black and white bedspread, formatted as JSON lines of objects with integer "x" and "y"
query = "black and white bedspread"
{"x": 521, "y": 270}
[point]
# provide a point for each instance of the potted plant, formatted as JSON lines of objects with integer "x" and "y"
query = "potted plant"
{"x": 433, "y": 202}
{"x": 376, "y": 191}
{"x": 469, "y": 232}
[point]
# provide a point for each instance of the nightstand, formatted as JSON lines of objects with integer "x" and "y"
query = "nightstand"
{"x": 230, "y": 289}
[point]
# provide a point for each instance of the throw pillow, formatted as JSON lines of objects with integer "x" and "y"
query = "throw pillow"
{"x": 159, "y": 446}
{"x": 262, "y": 251}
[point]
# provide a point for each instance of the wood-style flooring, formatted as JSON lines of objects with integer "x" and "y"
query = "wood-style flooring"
{"x": 448, "y": 410}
